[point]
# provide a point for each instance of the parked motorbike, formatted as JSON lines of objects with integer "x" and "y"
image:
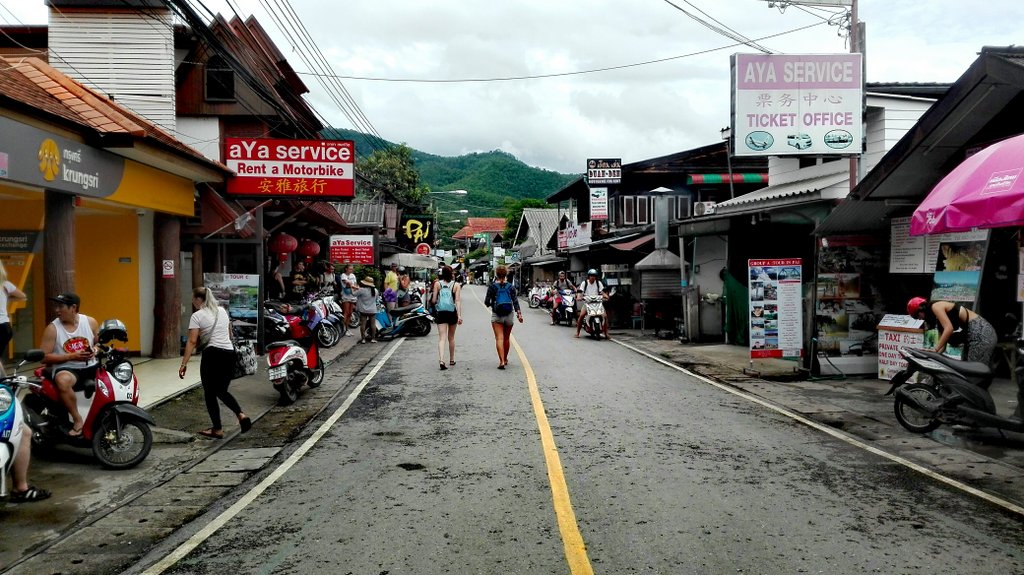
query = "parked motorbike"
{"x": 953, "y": 392}
{"x": 412, "y": 320}
{"x": 537, "y": 293}
{"x": 12, "y": 414}
{"x": 115, "y": 427}
{"x": 293, "y": 354}
{"x": 332, "y": 327}
{"x": 564, "y": 307}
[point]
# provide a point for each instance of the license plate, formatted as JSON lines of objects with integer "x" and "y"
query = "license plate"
{"x": 279, "y": 372}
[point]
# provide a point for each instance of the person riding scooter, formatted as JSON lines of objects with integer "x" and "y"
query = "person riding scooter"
{"x": 562, "y": 283}
{"x": 591, "y": 287}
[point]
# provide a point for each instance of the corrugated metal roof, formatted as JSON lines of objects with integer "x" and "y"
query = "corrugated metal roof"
{"x": 362, "y": 214}
{"x": 780, "y": 194}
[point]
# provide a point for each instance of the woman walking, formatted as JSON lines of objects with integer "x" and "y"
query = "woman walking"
{"x": 366, "y": 305}
{"x": 211, "y": 323}
{"x": 446, "y": 296}
{"x": 501, "y": 298}
{"x": 349, "y": 285}
{"x": 8, "y": 293}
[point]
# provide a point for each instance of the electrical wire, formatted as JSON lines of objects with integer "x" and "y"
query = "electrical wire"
{"x": 720, "y": 28}
{"x": 564, "y": 74}
{"x": 8, "y": 10}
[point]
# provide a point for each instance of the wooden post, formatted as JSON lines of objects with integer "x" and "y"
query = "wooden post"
{"x": 167, "y": 312}
{"x": 58, "y": 247}
{"x": 197, "y": 266}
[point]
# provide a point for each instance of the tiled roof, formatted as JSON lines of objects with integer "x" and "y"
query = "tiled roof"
{"x": 481, "y": 225}
{"x": 33, "y": 83}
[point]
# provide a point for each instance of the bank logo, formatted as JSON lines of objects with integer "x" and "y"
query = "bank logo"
{"x": 49, "y": 159}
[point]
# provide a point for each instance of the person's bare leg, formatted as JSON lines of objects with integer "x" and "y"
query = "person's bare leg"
{"x": 508, "y": 342}
{"x": 21, "y": 462}
{"x": 442, "y": 337}
{"x": 499, "y": 343}
{"x": 65, "y": 380}
{"x": 451, "y": 344}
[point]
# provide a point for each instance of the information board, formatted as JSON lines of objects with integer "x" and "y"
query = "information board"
{"x": 776, "y": 310}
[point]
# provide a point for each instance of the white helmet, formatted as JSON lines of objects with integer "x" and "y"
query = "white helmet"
{"x": 592, "y": 272}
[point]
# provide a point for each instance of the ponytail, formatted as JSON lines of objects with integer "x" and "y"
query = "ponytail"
{"x": 210, "y": 302}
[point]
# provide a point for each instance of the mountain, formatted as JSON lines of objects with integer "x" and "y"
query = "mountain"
{"x": 490, "y": 177}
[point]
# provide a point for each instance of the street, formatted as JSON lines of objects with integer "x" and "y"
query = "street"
{"x": 446, "y": 472}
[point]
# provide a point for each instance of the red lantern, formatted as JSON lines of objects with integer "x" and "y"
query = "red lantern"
{"x": 310, "y": 249}
{"x": 283, "y": 244}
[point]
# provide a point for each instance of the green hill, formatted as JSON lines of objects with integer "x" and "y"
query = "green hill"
{"x": 491, "y": 177}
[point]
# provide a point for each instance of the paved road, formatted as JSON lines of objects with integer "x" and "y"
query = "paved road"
{"x": 602, "y": 461}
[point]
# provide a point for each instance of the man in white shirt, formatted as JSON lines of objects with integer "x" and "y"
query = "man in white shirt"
{"x": 69, "y": 342}
{"x": 592, "y": 286}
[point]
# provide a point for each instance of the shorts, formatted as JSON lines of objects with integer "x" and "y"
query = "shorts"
{"x": 448, "y": 317}
{"x": 82, "y": 375}
{"x": 508, "y": 319}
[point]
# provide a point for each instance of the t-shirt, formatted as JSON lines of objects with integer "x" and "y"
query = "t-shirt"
{"x": 591, "y": 288}
{"x": 203, "y": 320}
{"x": 391, "y": 280}
{"x": 366, "y": 300}
{"x": 349, "y": 285}
{"x": 5, "y": 291}
{"x": 296, "y": 291}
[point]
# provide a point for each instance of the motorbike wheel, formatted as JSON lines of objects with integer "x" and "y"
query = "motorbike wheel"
{"x": 420, "y": 328}
{"x": 289, "y": 394}
{"x": 328, "y": 335}
{"x": 316, "y": 376}
{"x": 909, "y": 417}
{"x": 534, "y": 301}
{"x": 124, "y": 446}
{"x": 353, "y": 320}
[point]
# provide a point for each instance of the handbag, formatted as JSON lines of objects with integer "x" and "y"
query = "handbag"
{"x": 245, "y": 360}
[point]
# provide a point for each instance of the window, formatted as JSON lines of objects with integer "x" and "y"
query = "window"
{"x": 684, "y": 205}
{"x": 627, "y": 210}
{"x": 643, "y": 208}
{"x": 220, "y": 80}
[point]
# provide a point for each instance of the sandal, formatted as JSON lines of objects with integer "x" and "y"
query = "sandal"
{"x": 76, "y": 432}
{"x": 443, "y": 366}
{"x": 30, "y": 495}
{"x": 451, "y": 363}
{"x": 501, "y": 366}
{"x": 245, "y": 423}
{"x": 212, "y": 434}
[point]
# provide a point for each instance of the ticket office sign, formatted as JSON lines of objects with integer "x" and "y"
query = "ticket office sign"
{"x": 295, "y": 169}
{"x": 776, "y": 312}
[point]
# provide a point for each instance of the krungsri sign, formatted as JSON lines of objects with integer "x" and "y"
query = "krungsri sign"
{"x": 290, "y": 168}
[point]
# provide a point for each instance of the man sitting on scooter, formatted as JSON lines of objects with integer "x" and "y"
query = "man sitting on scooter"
{"x": 68, "y": 342}
{"x": 560, "y": 284}
{"x": 592, "y": 286}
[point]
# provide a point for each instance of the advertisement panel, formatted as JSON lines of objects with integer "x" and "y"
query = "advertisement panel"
{"x": 415, "y": 230}
{"x": 351, "y": 250}
{"x": 598, "y": 203}
{"x": 271, "y": 168}
{"x": 776, "y": 311}
{"x": 604, "y": 171}
{"x": 797, "y": 104}
{"x": 574, "y": 236}
{"x": 239, "y": 293}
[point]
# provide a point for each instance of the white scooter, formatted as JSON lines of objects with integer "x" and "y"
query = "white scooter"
{"x": 12, "y": 420}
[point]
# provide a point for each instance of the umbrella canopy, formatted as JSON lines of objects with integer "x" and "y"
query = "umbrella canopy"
{"x": 984, "y": 191}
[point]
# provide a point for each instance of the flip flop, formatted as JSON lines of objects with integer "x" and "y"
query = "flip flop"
{"x": 501, "y": 366}
{"x": 451, "y": 363}
{"x": 30, "y": 495}
{"x": 212, "y": 434}
{"x": 443, "y": 366}
{"x": 245, "y": 423}
{"x": 76, "y": 432}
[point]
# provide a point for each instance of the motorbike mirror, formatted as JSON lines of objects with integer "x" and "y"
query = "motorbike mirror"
{"x": 34, "y": 355}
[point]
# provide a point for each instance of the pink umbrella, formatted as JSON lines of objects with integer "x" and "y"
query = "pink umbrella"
{"x": 984, "y": 191}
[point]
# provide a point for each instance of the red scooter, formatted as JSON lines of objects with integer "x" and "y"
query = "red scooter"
{"x": 293, "y": 356}
{"x": 116, "y": 428}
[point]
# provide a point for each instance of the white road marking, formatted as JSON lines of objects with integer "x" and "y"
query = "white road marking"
{"x": 203, "y": 534}
{"x": 1009, "y": 506}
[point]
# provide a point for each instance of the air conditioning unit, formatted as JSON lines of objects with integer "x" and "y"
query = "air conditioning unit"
{"x": 703, "y": 208}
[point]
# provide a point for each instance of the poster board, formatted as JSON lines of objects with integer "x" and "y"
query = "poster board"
{"x": 239, "y": 293}
{"x": 776, "y": 310}
{"x": 924, "y": 254}
{"x": 896, "y": 331}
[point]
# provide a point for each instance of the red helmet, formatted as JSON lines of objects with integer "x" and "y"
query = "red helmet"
{"x": 915, "y": 305}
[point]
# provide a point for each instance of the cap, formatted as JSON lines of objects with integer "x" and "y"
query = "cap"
{"x": 68, "y": 298}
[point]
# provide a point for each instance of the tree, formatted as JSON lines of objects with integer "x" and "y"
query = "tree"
{"x": 391, "y": 172}
{"x": 512, "y": 211}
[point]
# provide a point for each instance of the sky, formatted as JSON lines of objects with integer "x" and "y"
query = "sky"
{"x": 633, "y": 112}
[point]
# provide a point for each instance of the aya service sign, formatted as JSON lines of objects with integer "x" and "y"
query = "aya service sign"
{"x": 797, "y": 104}
{"x": 317, "y": 169}
{"x": 352, "y": 249}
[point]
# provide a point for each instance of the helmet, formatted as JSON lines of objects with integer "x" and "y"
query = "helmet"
{"x": 915, "y": 305}
{"x": 591, "y": 272}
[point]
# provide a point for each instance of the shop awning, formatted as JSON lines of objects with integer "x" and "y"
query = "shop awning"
{"x": 724, "y": 178}
{"x": 411, "y": 261}
{"x": 781, "y": 195}
{"x": 542, "y": 261}
{"x": 631, "y": 245}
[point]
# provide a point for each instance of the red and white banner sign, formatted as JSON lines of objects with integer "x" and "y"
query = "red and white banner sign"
{"x": 352, "y": 249}
{"x": 290, "y": 168}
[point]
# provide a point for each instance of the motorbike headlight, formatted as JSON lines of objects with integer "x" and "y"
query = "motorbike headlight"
{"x": 122, "y": 372}
{"x": 6, "y": 399}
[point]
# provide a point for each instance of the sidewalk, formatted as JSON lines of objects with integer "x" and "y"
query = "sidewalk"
{"x": 983, "y": 459}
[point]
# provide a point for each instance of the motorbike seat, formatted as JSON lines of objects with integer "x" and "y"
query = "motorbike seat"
{"x": 970, "y": 369}
{"x": 283, "y": 343}
{"x": 404, "y": 309}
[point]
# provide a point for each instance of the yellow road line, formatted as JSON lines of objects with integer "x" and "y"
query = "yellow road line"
{"x": 572, "y": 540}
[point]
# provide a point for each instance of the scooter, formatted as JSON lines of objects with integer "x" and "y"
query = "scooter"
{"x": 537, "y": 293}
{"x": 12, "y": 414}
{"x": 412, "y": 320}
{"x": 116, "y": 428}
{"x": 955, "y": 393}
{"x": 594, "y": 319}
{"x": 293, "y": 355}
{"x": 332, "y": 327}
{"x": 564, "y": 307}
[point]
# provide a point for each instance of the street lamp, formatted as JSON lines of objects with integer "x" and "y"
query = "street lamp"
{"x": 454, "y": 212}
{"x": 727, "y": 136}
{"x": 452, "y": 192}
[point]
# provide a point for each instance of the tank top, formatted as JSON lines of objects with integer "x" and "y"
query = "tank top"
{"x": 954, "y": 317}
{"x": 70, "y": 342}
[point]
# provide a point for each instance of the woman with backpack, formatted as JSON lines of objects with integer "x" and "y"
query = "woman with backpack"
{"x": 501, "y": 298}
{"x": 446, "y": 297}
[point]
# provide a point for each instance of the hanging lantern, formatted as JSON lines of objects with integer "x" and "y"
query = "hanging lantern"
{"x": 282, "y": 244}
{"x": 310, "y": 249}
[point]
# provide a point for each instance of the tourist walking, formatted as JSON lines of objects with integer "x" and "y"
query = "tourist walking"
{"x": 446, "y": 297}
{"x": 8, "y": 293}
{"x": 501, "y": 298}
{"x": 349, "y": 286}
{"x": 366, "y": 305}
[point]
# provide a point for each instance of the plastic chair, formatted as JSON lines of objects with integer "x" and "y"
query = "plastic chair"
{"x": 638, "y": 316}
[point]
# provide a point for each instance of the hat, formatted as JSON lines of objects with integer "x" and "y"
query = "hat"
{"x": 394, "y": 264}
{"x": 68, "y": 299}
{"x": 401, "y": 269}
{"x": 367, "y": 281}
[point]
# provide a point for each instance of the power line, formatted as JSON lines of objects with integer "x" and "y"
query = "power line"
{"x": 720, "y": 28}
{"x": 8, "y": 10}
{"x": 563, "y": 74}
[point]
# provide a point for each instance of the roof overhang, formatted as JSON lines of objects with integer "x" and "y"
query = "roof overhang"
{"x": 780, "y": 195}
